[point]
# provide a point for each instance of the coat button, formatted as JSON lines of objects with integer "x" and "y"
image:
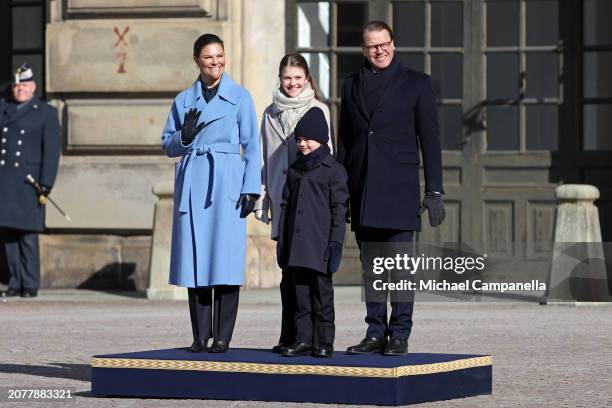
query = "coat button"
{"x": 16, "y": 164}
{"x": 371, "y": 132}
{"x": 22, "y": 131}
{"x": 19, "y": 142}
{"x": 17, "y": 154}
{"x": 3, "y": 151}
{"x": 4, "y": 140}
{"x": 5, "y": 129}
{"x": 1, "y": 162}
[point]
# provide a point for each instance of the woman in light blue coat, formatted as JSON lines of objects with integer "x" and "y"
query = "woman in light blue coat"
{"x": 215, "y": 189}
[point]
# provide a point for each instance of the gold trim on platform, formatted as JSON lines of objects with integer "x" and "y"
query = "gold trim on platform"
{"x": 260, "y": 368}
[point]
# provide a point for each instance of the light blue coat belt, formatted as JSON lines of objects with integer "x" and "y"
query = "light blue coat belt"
{"x": 205, "y": 151}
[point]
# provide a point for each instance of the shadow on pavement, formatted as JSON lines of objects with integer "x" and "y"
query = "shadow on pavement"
{"x": 79, "y": 372}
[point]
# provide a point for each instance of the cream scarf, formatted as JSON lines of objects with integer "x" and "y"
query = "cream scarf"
{"x": 290, "y": 110}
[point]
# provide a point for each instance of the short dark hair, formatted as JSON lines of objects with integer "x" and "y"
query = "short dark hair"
{"x": 376, "y": 26}
{"x": 203, "y": 41}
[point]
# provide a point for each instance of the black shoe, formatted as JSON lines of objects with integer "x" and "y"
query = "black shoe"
{"x": 11, "y": 292}
{"x": 298, "y": 349}
{"x": 398, "y": 346}
{"x": 29, "y": 293}
{"x": 368, "y": 345}
{"x": 198, "y": 346}
{"x": 219, "y": 346}
{"x": 324, "y": 350}
{"x": 280, "y": 348}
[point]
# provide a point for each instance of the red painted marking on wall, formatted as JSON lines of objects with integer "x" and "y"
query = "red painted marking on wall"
{"x": 121, "y": 48}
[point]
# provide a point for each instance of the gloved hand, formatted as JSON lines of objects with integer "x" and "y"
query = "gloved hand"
{"x": 435, "y": 207}
{"x": 335, "y": 255}
{"x": 190, "y": 126}
{"x": 45, "y": 190}
{"x": 281, "y": 257}
{"x": 247, "y": 204}
{"x": 43, "y": 193}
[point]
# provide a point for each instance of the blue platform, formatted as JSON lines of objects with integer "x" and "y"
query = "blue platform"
{"x": 260, "y": 375}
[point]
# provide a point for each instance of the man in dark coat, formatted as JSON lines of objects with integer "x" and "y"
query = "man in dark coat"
{"x": 311, "y": 234}
{"x": 29, "y": 144}
{"x": 388, "y": 111}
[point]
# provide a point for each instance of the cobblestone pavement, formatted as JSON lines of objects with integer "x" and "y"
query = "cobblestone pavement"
{"x": 544, "y": 356}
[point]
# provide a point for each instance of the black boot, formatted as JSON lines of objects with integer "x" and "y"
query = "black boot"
{"x": 368, "y": 345}
{"x": 324, "y": 350}
{"x": 11, "y": 292}
{"x": 398, "y": 346}
{"x": 298, "y": 349}
{"x": 280, "y": 348}
{"x": 29, "y": 293}
{"x": 198, "y": 346}
{"x": 219, "y": 346}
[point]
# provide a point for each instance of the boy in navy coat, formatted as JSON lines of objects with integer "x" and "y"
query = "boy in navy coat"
{"x": 311, "y": 233}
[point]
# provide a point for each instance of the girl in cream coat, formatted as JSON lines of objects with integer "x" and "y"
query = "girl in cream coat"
{"x": 296, "y": 95}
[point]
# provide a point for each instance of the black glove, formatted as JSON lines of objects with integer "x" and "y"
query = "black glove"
{"x": 335, "y": 255}
{"x": 281, "y": 258}
{"x": 247, "y": 204}
{"x": 190, "y": 126}
{"x": 44, "y": 190}
{"x": 435, "y": 207}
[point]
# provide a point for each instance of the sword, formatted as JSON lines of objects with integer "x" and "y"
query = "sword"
{"x": 42, "y": 199}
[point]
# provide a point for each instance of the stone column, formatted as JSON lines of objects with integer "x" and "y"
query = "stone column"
{"x": 160, "y": 246}
{"x": 578, "y": 269}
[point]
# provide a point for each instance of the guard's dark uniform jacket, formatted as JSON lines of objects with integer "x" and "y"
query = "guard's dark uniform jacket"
{"x": 381, "y": 151}
{"x": 29, "y": 144}
{"x": 313, "y": 213}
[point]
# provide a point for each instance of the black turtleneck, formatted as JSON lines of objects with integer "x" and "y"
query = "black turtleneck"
{"x": 209, "y": 93}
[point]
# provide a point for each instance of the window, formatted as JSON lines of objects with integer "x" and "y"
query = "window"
{"x": 597, "y": 78}
{"x": 523, "y": 70}
{"x": 22, "y": 40}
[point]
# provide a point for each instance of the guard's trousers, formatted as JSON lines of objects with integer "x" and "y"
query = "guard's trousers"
{"x": 21, "y": 258}
{"x": 216, "y": 319}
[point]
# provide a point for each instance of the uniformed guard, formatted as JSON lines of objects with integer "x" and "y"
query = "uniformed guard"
{"x": 29, "y": 144}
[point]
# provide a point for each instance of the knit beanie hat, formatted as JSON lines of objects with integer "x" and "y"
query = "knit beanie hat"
{"x": 313, "y": 126}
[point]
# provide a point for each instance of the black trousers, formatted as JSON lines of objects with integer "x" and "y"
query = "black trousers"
{"x": 314, "y": 315}
{"x": 21, "y": 258}
{"x": 218, "y": 320}
{"x": 288, "y": 301}
{"x": 399, "y": 324}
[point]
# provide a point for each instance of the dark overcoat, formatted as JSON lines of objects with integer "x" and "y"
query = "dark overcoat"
{"x": 313, "y": 213}
{"x": 30, "y": 143}
{"x": 381, "y": 152}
